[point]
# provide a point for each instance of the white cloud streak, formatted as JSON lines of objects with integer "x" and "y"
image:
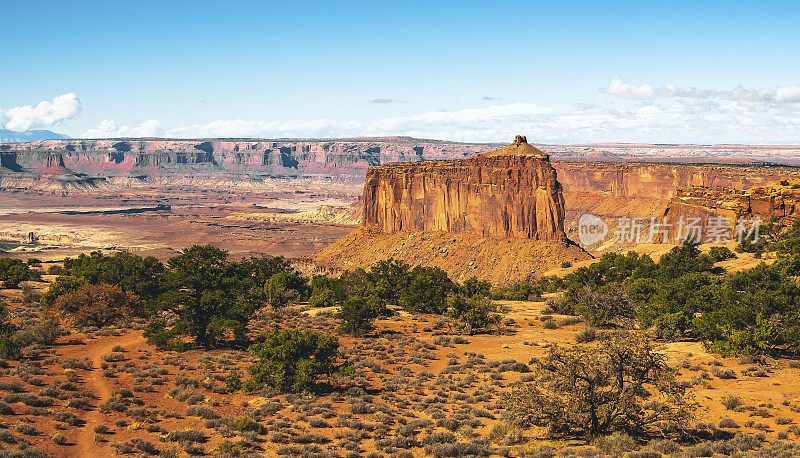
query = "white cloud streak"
{"x": 110, "y": 129}
{"x": 680, "y": 116}
{"x": 781, "y": 95}
{"x": 44, "y": 114}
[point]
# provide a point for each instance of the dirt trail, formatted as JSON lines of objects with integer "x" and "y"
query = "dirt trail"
{"x": 102, "y": 387}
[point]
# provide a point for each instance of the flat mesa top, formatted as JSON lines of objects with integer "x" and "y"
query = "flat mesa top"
{"x": 520, "y": 147}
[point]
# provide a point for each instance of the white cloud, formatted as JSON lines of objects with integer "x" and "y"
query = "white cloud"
{"x": 45, "y": 114}
{"x": 692, "y": 96}
{"x": 790, "y": 94}
{"x": 109, "y": 129}
{"x": 668, "y": 114}
{"x": 723, "y": 121}
{"x": 242, "y": 128}
{"x": 628, "y": 91}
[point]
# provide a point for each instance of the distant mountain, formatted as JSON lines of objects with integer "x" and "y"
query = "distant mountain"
{"x": 29, "y": 135}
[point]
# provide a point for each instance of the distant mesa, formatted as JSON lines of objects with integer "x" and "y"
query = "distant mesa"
{"x": 29, "y": 136}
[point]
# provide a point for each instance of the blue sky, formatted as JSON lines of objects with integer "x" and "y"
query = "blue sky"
{"x": 700, "y": 72}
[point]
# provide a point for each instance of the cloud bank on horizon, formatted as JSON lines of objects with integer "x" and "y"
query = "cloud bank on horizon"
{"x": 44, "y": 114}
{"x": 625, "y": 113}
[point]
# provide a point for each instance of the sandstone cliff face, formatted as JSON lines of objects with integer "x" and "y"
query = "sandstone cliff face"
{"x": 510, "y": 193}
{"x": 654, "y": 190}
{"x": 662, "y": 181}
{"x": 769, "y": 203}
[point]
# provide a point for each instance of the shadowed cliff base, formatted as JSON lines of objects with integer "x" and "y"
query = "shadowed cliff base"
{"x": 499, "y": 260}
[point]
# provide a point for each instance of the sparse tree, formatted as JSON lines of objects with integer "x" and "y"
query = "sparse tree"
{"x": 96, "y": 305}
{"x": 619, "y": 385}
{"x": 206, "y": 295}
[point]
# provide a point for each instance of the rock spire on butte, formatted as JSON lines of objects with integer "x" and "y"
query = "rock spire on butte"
{"x": 520, "y": 147}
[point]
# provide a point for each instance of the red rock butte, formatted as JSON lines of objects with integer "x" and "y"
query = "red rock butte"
{"x": 497, "y": 216}
{"x": 511, "y": 192}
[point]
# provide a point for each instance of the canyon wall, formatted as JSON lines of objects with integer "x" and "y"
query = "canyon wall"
{"x": 660, "y": 180}
{"x": 511, "y": 193}
{"x": 154, "y": 160}
{"x": 776, "y": 202}
{"x": 679, "y": 192}
{"x": 205, "y": 162}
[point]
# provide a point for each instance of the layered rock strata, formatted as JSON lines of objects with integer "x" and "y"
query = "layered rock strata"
{"x": 774, "y": 203}
{"x": 512, "y": 192}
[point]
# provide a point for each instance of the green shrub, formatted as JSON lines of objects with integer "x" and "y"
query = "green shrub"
{"x": 233, "y": 381}
{"x": 721, "y": 253}
{"x": 159, "y": 335}
{"x": 472, "y": 314}
{"x": 9, "y": 347}
{"x": 131, "y": 273}
{"x": 13, "y": 272}
{"x": 323, "y": 298}
{"x": 426, "y": 291}
{"x": 530, "y": 289}
{"x": 244, "y": 423}
{"x": 358, "y": 314}
{"x": 291, "y": 360}
{"x": 473, "y": 287}
{"x": 283, "y": 288}
{"x": 96, "y": 305}
{"x": 748, "y": 245}
{"x": 756, "y": 311}
{"x": 615, "y": 444}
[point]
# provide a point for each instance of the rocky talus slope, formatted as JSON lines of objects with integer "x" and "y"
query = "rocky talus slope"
{"x": 501, "y": 260}
{"x": 497, "y": 216}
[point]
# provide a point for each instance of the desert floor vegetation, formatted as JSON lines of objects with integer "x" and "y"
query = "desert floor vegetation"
{"x": 208, "y": 356}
